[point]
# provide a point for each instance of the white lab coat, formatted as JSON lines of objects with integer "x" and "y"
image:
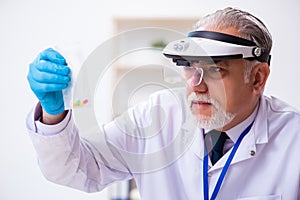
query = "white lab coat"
{"x": 273, "y": 172}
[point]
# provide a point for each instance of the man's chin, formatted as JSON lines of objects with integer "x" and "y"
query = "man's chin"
{"x": 203, "y": 118}
{"x": 211, "y": 122}
{"x": 208, "y": 123}
{"x": 200, "y": 115}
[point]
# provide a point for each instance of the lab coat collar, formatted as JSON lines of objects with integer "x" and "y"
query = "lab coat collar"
{"x": 257, "y": 135}
{"x": 235, "y": 132}
{"x": 260, "y": 126}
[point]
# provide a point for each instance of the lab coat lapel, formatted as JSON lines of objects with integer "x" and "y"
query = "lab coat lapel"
{"x": 244, "y": 152}
{"x": 197, "y": 146}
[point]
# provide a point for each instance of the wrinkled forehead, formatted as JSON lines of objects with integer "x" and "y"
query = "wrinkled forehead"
{"x": 210, "y": 62}
{"x": 204, "y": 62}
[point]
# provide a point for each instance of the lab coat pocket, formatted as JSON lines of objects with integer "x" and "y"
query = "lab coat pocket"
{"x": 268, "y": 197}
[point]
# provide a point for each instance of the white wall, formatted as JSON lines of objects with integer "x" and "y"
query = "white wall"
{"x": 29, "y": 26}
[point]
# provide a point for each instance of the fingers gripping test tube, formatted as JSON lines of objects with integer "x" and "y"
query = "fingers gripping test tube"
{"x": 75, "y": 56}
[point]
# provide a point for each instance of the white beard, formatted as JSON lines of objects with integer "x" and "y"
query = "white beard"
{"x": 219, "y": 117}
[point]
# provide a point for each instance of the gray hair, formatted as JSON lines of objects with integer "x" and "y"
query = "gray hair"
{"x": 248, "y": 26}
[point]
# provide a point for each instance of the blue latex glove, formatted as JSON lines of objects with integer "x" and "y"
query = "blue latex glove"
{"x": 48, "y": 75}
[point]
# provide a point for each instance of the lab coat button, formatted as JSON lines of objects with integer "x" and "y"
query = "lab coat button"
{"x": 252, "y": 153}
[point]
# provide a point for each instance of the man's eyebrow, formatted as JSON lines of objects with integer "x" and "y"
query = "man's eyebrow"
{"x": 224, "y": 62}
{"x": 207, "y": 63}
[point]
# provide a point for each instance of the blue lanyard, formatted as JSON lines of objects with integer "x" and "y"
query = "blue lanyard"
{"x": 224, "y": 170}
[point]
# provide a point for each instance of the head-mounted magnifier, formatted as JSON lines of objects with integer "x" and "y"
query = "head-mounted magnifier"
{"x": 213, "y": 46}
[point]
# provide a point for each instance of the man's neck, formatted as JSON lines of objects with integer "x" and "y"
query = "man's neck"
{"x": 238, "y": 119}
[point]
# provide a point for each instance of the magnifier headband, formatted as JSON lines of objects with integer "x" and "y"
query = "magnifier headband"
{"x": 201, "y": 45}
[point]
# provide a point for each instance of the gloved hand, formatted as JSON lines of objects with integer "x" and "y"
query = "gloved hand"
{"x": 48, "y": 75}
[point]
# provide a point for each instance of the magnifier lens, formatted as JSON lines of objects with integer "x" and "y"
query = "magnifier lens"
{"x": 193, "y": 75}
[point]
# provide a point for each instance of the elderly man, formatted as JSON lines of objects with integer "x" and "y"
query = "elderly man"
{"x": 220, "y": 138}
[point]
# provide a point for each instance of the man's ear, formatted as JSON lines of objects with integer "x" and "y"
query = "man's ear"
{"x": 259, "y": 77}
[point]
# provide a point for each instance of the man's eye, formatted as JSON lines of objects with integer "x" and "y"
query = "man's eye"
{"x": 188, "y": 68}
